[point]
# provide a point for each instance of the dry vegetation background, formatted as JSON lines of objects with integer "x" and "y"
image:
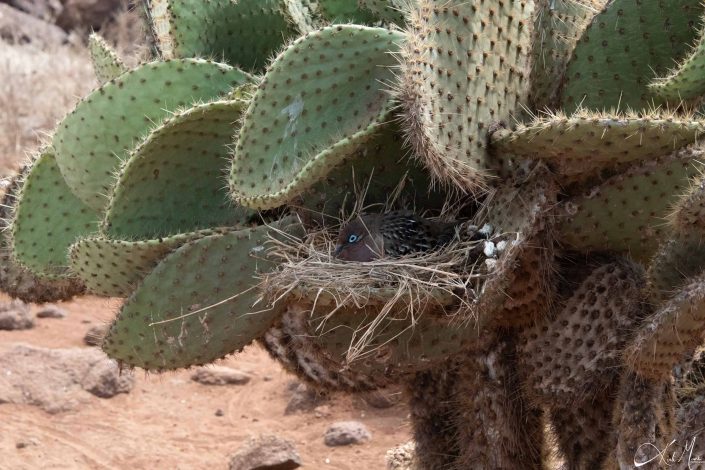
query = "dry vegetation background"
{"x": 39, "y": 84}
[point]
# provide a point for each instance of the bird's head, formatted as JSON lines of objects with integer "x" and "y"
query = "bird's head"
{"x": 360, "y": 240}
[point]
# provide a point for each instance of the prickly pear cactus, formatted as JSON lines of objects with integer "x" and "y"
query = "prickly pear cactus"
{"x": 17, "y": 280}
{"x": 204, "y": 289}
{"x": 106, "y": 63}
{"x": 314, "y": 107}
{"x": 559, "y": 137}
{"x": 92, "y": 140}
{"x": 48, "y": 218}
{"x": 456, "y": 86}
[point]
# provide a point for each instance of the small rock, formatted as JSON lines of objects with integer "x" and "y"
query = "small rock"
{"x": 344, "y": 433}
{"x": 17, "y": 27}
{"x": 267, "y": 378}
{"x": 51, "y": 311}
{"x": 267, "y": 452}
{"x": 219, "y": 375}
{"x": 95, "y": 334}
{"x": 26, "y": 443}
{"x": 402, "y": 457}
{"x": 57, "y": 380}
{"x": 303, "y": 399}
{"x": 105, "y": 380}
{"x": 219, "y": 412}
{"x": 45, "y": 10}
{"x": 322, "y": 411}
{"x": 15, "y": 316}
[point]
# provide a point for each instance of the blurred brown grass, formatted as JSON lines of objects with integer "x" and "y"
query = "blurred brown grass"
{"x": 39, "y": 86}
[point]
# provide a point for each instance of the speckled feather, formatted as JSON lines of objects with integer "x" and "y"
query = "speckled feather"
{"x": 391, "y": 234}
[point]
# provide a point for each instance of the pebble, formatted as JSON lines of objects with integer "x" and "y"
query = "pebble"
{"x": 268, "y": 452}
{"x": 15, "y": 315}
{"x": 51, "y": 311}
{"x": 344, "y": 433}
{"x": 219, "y": 375}
{"x": 95, "y": 334}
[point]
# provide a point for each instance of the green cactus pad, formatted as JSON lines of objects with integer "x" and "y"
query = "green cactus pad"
{"x": 16, "y": 280}
{"x": 465, "y": 69}
{"x": 627, "y": 212}
{"x": 244, "y": 33}
{"x": 106, "y": 63}
{"x": 113, "y": 268}
{"x": 93, "y": 139}
{"x": 197, "y": 305}
{"x": 173, "y": 181}
{"x": 320, "y": 99}
{"x": 378, "y": 170}
{"x": 670, "y": 334}
{"x": 626, "y": 45}
{"x": 48, "y": 218}
{"x": 390, "y": 11}
{"x": 676, "y": 262}
{"x": 687, "y": 81}
{"x": 345, "y": 11}
{"x": 586, "y": 142}
{"x": 558, "y": 26}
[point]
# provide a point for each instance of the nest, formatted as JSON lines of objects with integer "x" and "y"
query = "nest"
{"x": 446, "y": 282}
{"x": 369, "y": 307}
{"x": 444, "y": 299}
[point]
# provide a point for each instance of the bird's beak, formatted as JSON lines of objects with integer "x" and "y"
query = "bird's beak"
{"x": 338, "y": 249}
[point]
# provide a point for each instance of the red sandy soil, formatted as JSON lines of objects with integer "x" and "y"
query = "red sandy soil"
{"x": 169, "y": 421}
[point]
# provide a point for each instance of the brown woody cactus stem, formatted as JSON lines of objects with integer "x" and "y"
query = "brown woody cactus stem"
{"x": 645, "y": 422}
{"x": 432, "y": 402}
{"x": 497, "y": 429}
{"x": 670, "y": 334}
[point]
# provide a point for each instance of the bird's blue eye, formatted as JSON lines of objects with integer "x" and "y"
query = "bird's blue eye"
{"x": 353, "y": 238}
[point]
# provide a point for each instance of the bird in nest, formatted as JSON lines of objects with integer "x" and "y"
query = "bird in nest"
{"x": 391, "y": 234}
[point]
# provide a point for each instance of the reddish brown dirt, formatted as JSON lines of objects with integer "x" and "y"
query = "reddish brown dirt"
{"x": 169, "y": 422}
